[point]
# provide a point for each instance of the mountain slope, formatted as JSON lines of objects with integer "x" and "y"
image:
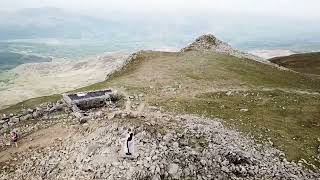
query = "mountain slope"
{"x": 308, "y": 63}
{"x": 271, "y": 104}
{"x": 275, "y": 106}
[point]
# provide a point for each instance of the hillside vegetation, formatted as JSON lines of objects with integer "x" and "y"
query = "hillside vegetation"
{"x": 273, "y": 105}
{"x": 308, "y": 63}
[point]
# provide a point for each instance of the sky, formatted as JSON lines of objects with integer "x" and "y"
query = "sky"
{"x": 291, "y": 8}
{"x": 260, "y": 22}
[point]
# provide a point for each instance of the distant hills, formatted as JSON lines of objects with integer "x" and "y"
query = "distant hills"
{"x": 9, "y": 60}
{"x": 119, "y": 28}
{"x": 51, "y": 23}
{"x": 308, "y": 63}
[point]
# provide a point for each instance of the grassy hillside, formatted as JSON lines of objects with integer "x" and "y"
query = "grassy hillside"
{"x": 258, "y": 99}
{"x": 306, "y": 63}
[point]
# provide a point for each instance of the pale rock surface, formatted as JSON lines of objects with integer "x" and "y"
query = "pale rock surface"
{"x": 209, "y": 42}
{"x": 171, "y": 147}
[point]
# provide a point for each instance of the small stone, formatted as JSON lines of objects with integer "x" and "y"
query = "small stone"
{"x": 156, "y": 177}
{"x": 173, "y": 170}
{"x": 157, "y": 169}
{"x": 83, "y": 120}
{"x": 154, "y": 157}
{"x": 243, "y": 170}
{"x": 14, "y": 120}
{"x": 37, "y": 114}
{"x": 229, "y": 93}
{"x": 225, "y": 163}
{"x": 203, "y": 162}
{"x": 225, "y": 169}
{"x": 87, "y": 169}
{"x": 186, "y": 172}
{"x": 175, "y": 145}
{"x": 146, "y": 164}
{"x": 244, "y": 110}
{"x": 251, "y": 172}
{"x": 26, "y": 117}
{"x": 111, "y": 115}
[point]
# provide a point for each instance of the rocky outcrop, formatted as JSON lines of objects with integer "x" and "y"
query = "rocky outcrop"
{"x": 209, "y": 42}
{"x": 40, "y": 113}
{"x": 132, "y": 57}
{"x": 167, "y": 147}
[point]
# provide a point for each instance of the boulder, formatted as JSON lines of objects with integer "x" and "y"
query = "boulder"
{"x": 2, "y": 122}
{"x": 14, "y": 120}
{"x": 229, "y": 93}
{"x": 26, "y": 117}
{"x": 237, "y": 158}
{"x": 30, "y": 111}
{"x": 83, "y": 120}
{"x": 56, "y": 107}
{"x": 98, "y": 114}
{"x": 156, "y": 177}
{"x": 111, "y": 115}
{"x": 5, "y": 128}
{"x": 174, "y": 171}
{"x": 225, "y": 169}
{"x": 37, "y": 114}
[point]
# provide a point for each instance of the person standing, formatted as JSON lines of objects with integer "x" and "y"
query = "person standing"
{"x": 15, "y": 137}
{"x": 129, "y": 144}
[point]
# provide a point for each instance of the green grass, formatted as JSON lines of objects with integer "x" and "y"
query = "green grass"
{"x": 197, "y": 69}
{"x": 257, "y": 74}
{"x": 292, "y": 121}
{"x": 308, "y": 63}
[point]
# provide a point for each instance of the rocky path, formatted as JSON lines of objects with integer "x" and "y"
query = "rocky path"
{"x": 167, "y": 147}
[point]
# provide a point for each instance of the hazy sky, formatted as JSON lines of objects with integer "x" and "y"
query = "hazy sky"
{"x": 294, "y": 8}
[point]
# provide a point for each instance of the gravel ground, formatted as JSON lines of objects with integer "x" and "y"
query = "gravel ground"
{"x": 167, "y": 146}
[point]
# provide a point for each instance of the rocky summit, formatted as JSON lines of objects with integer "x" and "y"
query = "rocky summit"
{"x": 167, "y": 146}
{"x": 209, "y": 42}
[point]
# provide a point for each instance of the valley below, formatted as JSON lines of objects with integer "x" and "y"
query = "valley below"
{"x": 42, "y": 79}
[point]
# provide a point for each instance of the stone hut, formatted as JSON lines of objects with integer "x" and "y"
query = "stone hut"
{"x": 82, "y": 101}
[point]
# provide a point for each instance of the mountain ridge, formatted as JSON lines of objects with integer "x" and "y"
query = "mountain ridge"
{"x": 307, "y": 63}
